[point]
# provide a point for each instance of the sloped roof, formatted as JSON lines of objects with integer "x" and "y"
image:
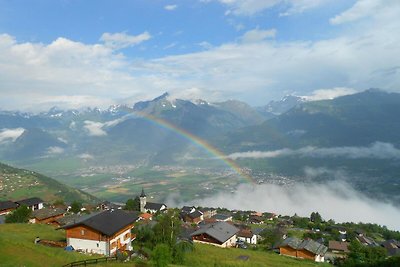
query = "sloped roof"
{"x": 195, "y": 214}
{"x": 187, "y": 209}
{"x": 313, "y": 247}
{"x": 220, "y": 231}
{"x": 291, "y": 242}
{"x": 309, "y": 245}
{"x": 29, "y": 201}
{"x": 338, "y": 245}
{"x": 153, "y": 206}
{"x": 46, "y": 213}
{"x": 107, "y": 222}
{"x": 5, "y": 205}
{"x": 247, "y": 233}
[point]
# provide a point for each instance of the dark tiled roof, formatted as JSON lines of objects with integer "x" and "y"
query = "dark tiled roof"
{"x": 187, "y": 209}
{"x": 46, "y": 213}
{"x": 107, "y": 222}
{"x": 29, "y": 201}
{"x": 220, "y": 231}
{"x": 313, "y": 247}
{"x": 291, "y": 242}
{"x": 5, "y": 205}
{"x": 195, "y": 214}
{"x": 153, "y": 206}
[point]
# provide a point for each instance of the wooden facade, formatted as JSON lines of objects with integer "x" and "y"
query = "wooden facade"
{"x": 49, "y": 220}
{"x": 289, "y": 251}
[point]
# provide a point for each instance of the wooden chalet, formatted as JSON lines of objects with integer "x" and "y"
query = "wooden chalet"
{"x": 221, "y": 234}
{"x": 102, "y": 233}
{"x": 46, "y": 216}
{"x": 7, "y": 207}
{"x": 34, "y": 203}
{"x": 304, "y": 249}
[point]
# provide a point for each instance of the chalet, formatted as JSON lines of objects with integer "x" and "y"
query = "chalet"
{"x": 208, "y": 212}
{"x": 304, "y": 249}
{"x": 191, "y": 215}
{"x": 255, "y": 219}
{"x": 107, "y": 205}
{"x": 7, "y": 207}
{"x": 270, "y": 216}
{"x": 337, "y": 249}
{"x": 247, "y": 236}
{"x": 392, "y": 247}
{"x": 221, "y": 234}
{"x": 150, "y": 207}
{"x": 194, "y": 217}
{"x": 102, "y": 233}
{"x": 33, "y": 203}
{"x": 367, "y": 241}
{"x": 222, "y": 217}
{"x": 46, "y": 216}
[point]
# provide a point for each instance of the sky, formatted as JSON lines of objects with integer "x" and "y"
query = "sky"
{"x": 78, "y": 53}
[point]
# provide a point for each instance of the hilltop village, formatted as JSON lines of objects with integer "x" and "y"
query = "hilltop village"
{"x": 154, "y": 233}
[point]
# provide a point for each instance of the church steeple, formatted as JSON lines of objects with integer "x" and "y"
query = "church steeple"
{"x": 142, "y": 194}
{"x": 142, "y": 201}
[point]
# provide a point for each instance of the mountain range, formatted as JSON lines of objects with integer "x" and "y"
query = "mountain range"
{"x": 166, "y": 131}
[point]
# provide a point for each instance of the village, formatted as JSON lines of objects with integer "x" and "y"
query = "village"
{"x": 109, "y": 229}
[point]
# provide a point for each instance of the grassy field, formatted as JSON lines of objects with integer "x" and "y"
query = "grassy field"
{"x": 17, "y": 247}
{"x": 205, "y": 255}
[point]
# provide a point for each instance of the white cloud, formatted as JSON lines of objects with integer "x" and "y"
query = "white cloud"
{"x": 86, "y": 156}
{"x": 55, "y": 150}
{"x": 251, "y": 7}
{"x": 10, "y": 134}
{"x": 323, "y": 94}
{"x": 377, "y": 150}
{"x": 94, "y": 128}
{"x": 170, "y": 7}
{"x": 75, "y": 74}
{"x": 257, "y": 35}
{"x": 121, "y": 40}
{"x": 336, "y": 200}
{"x": 361, "y": 9}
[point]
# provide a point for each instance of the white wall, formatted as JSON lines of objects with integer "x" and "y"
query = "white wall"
{"x": 89, "y": 246}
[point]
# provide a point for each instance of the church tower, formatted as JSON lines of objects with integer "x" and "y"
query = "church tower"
{"x": 142, "y": 201}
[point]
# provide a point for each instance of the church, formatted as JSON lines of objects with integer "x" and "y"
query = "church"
{"x": 150, "y": 207}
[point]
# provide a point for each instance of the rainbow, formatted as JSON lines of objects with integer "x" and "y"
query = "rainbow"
{"x": 215, "y": 152}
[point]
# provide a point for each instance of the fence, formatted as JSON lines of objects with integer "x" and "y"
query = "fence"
{"x": 90, "y": 261}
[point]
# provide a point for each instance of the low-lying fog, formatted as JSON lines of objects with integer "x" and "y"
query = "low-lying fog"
{"x": 334, "y": 200}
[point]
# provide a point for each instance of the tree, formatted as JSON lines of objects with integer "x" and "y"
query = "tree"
{"x": 179, "y": 250}
{"x": 315, "y": 217}
{"x": 168, "y": 228}
{"x": 76, "y": 207}
{"x": 133, "y": 204}
{"x": 162, "y": 255}
{"x": 20, "y": 215}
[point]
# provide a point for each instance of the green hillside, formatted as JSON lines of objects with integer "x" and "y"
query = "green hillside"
{"x": 18, "y": 249}
{"x": 19, "y": 183}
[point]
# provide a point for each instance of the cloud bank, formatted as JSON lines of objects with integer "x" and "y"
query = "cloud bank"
{"x": 10, "y": 134}
{"x": 363, "y": 54}
{"x": 377, "y": 150}
{"x": 336, "y": 200}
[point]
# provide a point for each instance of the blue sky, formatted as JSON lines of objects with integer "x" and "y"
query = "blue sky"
{"x": 96, "y": 53}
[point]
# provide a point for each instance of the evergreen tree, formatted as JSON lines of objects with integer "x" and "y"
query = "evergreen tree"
{"x": 133, "y": 204}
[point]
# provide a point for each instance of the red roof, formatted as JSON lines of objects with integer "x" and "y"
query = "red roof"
{"x": 146, "y": 216}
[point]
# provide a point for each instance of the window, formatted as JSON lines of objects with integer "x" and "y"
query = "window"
{"x": 97, "y": 244}
{"x": 127, "y": 236}
{"x": 82, "y": 232}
